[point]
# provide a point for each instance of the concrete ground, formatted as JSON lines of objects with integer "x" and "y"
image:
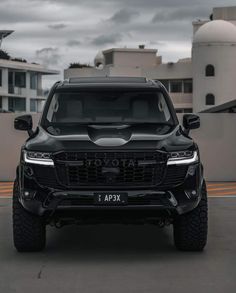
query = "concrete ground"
{"x": 120, "y": 259}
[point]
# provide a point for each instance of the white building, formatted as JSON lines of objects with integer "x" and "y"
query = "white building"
{"x": 207, "y": 79}
{"x": 21, "y": 84}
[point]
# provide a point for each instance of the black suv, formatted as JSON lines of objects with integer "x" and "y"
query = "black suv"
{"x": 109, "y": 150}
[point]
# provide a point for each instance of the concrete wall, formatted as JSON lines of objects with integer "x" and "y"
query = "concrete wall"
{"x": 138, "y": 58}
{"x": 179, "y": 70}
{"x": 11, "y": 141}
{"x": 216, "y": 139}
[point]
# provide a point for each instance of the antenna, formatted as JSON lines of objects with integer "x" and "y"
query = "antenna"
{"x": 3, "y": 35}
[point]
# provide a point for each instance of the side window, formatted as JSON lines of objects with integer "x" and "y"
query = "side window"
{"x": 210, "y": 99}
{"x": 210, "y": 70}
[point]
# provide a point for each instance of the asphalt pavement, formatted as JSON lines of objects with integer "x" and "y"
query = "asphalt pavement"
{"x": 116, "y": 258}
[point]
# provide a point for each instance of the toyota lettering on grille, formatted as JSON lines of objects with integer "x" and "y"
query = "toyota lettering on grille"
{"x": 111, "y": 162}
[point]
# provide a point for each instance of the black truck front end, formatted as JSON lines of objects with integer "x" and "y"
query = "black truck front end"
{"x": 150, "y": 183}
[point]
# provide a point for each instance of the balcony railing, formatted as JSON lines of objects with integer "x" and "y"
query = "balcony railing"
{"x": 14, "y": 90}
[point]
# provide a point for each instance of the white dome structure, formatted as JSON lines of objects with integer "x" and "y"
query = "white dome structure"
{"x": 214, "y": 63}
{"x": 99, "y": 59}
{"x": 217, "y": 31}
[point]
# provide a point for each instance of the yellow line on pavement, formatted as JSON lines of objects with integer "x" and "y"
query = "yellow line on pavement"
{"x": 221, "y": 184}
{"x": 5, "y": 190}
{"x": 222, "y": 188}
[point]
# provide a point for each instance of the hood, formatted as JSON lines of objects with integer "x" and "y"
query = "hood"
{"x": 99, "y": 137}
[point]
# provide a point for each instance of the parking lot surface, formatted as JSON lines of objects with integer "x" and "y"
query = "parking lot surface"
{"x": 116, "y": 258}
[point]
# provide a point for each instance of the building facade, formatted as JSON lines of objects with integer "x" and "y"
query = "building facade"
{"x": 195, "y": 84}
{"x": 21, "y": 84}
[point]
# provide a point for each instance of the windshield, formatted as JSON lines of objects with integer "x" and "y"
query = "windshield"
{"x": 108, "y": 107}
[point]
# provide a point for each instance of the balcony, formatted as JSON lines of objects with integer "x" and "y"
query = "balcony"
{"x": 14, "y": 90}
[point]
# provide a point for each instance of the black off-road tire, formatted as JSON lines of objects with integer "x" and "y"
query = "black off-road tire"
{"x": 29, "y": 231}
{"x": 190, "y": 230}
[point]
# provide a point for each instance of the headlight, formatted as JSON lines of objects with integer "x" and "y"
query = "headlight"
{"x": 184, "y": 157}
{"x": 39, "y": 158}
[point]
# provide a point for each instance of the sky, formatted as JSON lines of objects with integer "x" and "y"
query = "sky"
{"x": 56, "y": 33}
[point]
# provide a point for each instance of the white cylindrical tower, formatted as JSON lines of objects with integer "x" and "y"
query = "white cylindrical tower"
{"x": 214, "y": 64}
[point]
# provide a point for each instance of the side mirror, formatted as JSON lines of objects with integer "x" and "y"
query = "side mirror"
{"x": 191, "y": 121}
{"x": 24, "y": 123}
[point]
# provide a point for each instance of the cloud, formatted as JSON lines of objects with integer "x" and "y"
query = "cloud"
{"x": 103, "y": 40}
{"x": 73, "y": 43}
{"x": 180, "y": 14}
{"x": 48, "y": 56}
{"x": 123, "y": 16}
{"x": 40, "y": 33}
{"x": 57, "y": 26}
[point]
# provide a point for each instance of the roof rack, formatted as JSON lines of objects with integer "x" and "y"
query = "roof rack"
{"x": 109, "y": 79}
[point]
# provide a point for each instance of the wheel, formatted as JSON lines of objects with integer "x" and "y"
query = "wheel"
{"x": 190, "y": 230}
{"x": 29, "y": 231}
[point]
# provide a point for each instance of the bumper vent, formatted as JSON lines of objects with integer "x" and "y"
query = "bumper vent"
{"x": 175, "y": 175}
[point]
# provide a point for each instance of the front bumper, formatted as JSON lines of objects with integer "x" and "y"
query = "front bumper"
{"x": 44, "y": 200}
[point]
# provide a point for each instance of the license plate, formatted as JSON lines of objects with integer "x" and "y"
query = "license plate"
{"x": 110, "y": 198}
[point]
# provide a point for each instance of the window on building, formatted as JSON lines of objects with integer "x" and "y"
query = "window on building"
{"x": 188, "y": 86}
{"x": 20, "y": 79}
{"x": 210, "y": 99}
{"x": 33, "y": 105}
{"x": 16, "y": 104}
{"x": 108, "y": 58}
{"x": 33, "y": 80}
{"x": 0, "y": 102}
{"x": 165, "y": 82}
{"x": 176, "y": 86}
{"x": 210, "y": 70}
{"x": 0, "y": 77}
{"x": 36, "y": 105}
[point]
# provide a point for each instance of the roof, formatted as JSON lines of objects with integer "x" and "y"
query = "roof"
{"x": 229, "y": 107}
{"x": 216, "y": 31}
{"x": 130, "y": 50}
{"x": 94, "y": 82}
{"x": 26, "y": 67}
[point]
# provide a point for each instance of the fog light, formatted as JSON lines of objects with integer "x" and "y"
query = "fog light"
{"x": 28, "y": 194}
{"x": 191, "y": 194}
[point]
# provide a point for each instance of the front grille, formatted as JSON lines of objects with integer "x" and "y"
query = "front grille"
{"x": 110, "y": 168}
{"x": 159, "y": 200}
